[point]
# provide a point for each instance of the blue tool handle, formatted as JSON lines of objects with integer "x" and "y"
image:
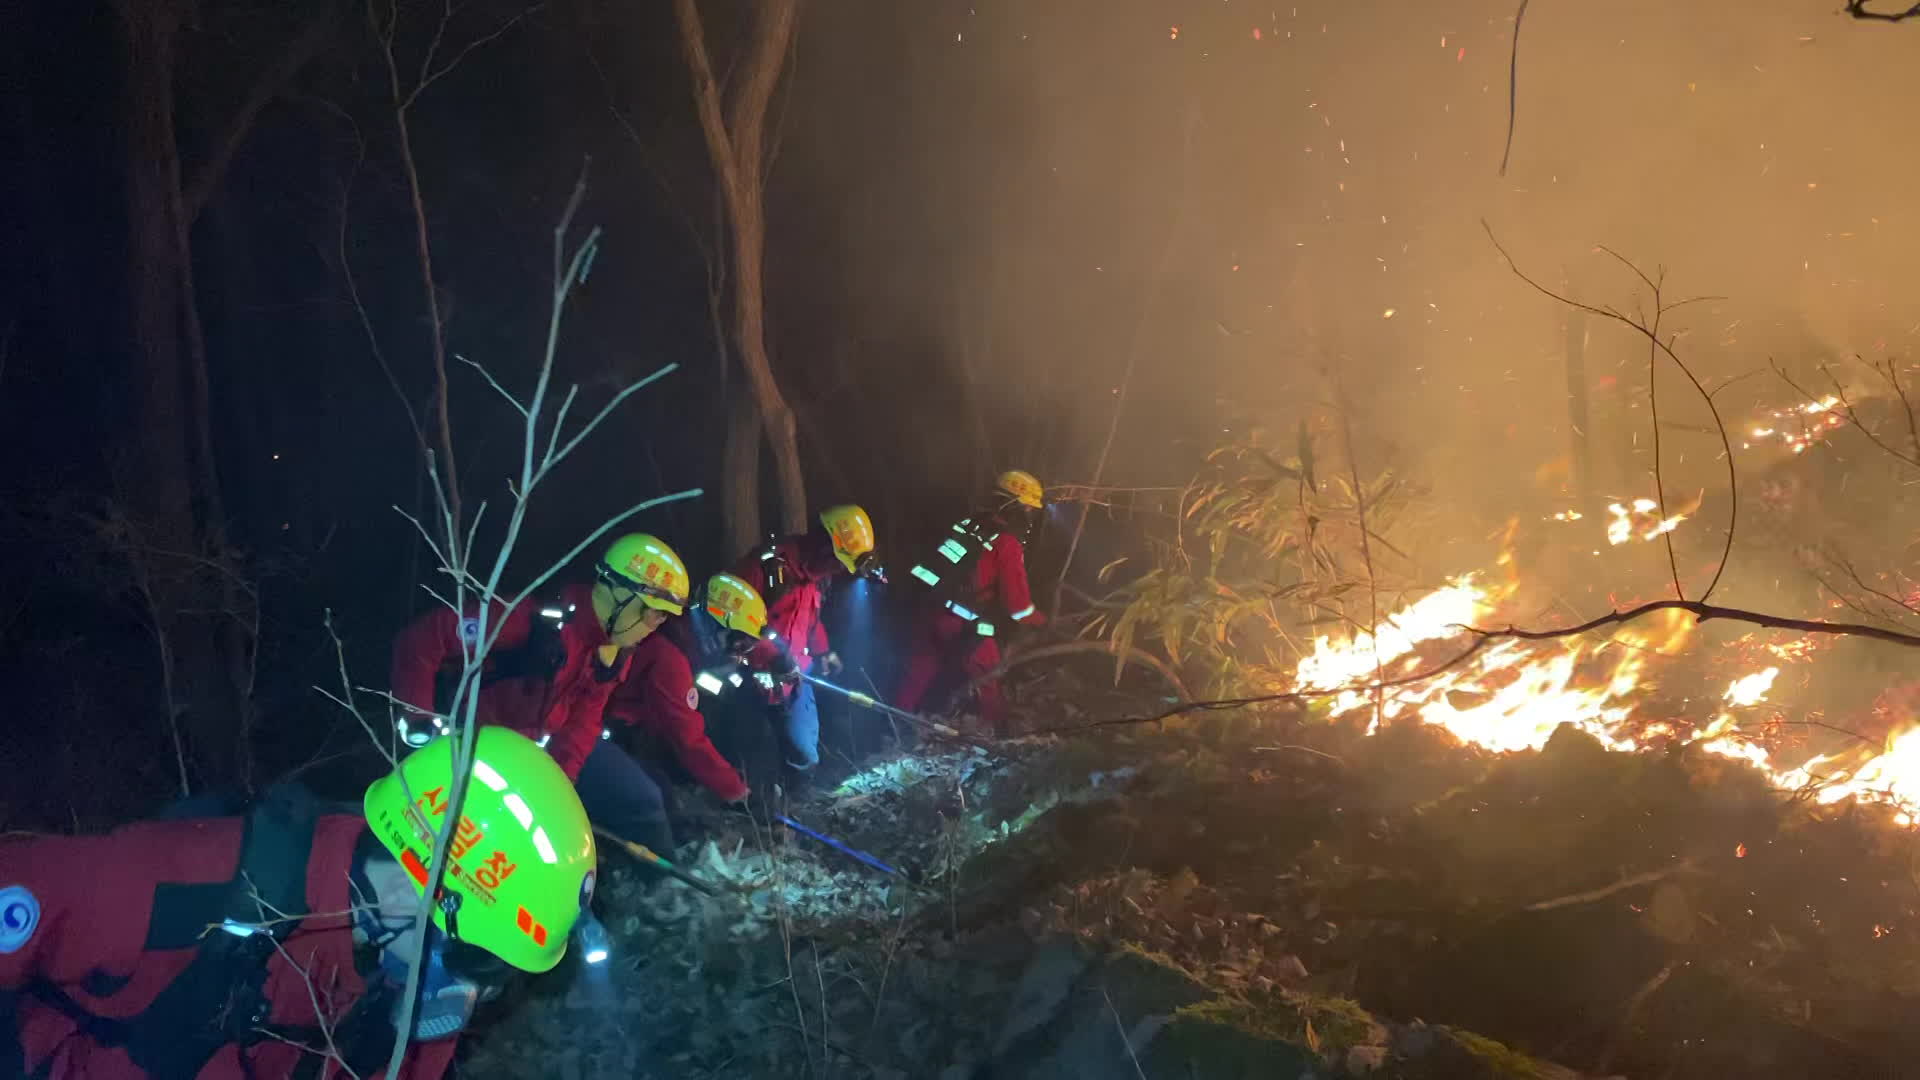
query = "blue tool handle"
{"x": 838, "y": 846}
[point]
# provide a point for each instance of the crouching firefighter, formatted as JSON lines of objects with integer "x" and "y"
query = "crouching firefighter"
{"x": 278, "y": 943}
{"x": 793, "y": 574}
{"x": 554, "y": 667}
{"x": 976, "y": 591}
{"x": 682, "y": 673}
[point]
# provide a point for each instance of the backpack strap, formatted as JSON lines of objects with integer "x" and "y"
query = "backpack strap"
{"x": 948, "y": 572}
{"x": 544, "y": 652}
{"x": 220, "y": 997}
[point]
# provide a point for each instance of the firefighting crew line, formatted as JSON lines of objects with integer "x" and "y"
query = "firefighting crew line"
{"x": 275, "y": 937}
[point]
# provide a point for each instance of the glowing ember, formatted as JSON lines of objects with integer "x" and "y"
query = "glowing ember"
{"x": 1801, "y": 426}
{"x": 1643, "y": 519}
{"x": 1796, "y": 650}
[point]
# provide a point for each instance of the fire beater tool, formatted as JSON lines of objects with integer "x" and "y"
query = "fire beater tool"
{"x": 867, "y": 701}
{"x": 646, "y": 855}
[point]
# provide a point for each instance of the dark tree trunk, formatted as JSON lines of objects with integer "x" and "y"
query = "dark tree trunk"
{"x": 740, "y": 468}
{"x": 166, "y": 479}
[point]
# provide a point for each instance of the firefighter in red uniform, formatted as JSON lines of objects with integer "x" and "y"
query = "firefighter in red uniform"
{"x": 553, "y": 669}
{"x": 793, "y": 574}
{"x": 278, "y": 944}
{"x": 697, "y": 657}
{"x": 978, "y": 583}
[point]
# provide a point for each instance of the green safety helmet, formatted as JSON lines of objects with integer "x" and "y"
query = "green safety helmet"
{"x": 521, "y": 863}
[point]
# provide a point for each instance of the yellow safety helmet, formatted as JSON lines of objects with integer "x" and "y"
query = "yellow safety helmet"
{"x": 736, "y": 605}
{"x": 643, "y": 563}
{"x": 1023, "y": 487}
{"x": 852, "y": 532}
{"x": 520, "y": 864}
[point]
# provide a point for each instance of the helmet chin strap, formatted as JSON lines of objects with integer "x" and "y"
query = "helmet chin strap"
{"x": 609, "y": 580}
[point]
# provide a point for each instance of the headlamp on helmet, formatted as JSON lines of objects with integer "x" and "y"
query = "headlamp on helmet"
{"x": 852, "y": 533}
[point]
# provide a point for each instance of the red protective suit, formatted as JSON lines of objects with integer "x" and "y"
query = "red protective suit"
{"x": 946, "y": 641}
{"x": 658, "y": 697}
{"x": 800, "y": 567}
{"x": 569, "y": 708}
{"x": 95, "y": 895}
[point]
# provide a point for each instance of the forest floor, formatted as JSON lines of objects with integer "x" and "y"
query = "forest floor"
{"x": 1254, "y": 895}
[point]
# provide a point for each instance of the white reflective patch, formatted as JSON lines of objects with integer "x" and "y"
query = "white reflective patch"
{"x": 542, "y": 741}
{"x": 605, "y": 734}
{"x": 19, "y": 917}
{"x": 735, "y": 679}
{"x": 984, "y": 629}
{"x": 962, "y": 611}
{"x": 707, "y": 682}
{"x": 485, "y": 773}
{"x": 238, "y": 929}
{"x": 544, "y": 846}
{"x": 1023, "y": 613}
{"x": 518, "y": 807}
{"x": 552, "y": 613}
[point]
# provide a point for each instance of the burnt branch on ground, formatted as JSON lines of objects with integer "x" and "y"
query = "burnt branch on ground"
{"x": 1858, "y": 9}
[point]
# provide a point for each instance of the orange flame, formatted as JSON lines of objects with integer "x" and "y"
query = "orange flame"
{"x": 1513, "y": 694}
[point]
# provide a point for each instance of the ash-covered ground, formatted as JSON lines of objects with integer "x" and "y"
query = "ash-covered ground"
{"x": 1255, "y": 895}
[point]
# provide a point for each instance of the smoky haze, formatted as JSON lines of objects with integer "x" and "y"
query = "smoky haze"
{"x": 1237, "y": 194}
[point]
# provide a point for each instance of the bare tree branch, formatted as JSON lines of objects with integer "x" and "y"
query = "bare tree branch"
{"x": 1652, "y": 334}
{"x": 1622, "y": 885}
{"x": 298, "y": 53}
{"x": 1513, "y": 86}
{"x": 1070, "y": 648}
{"x": 1700, "y": 610}
{"x": 429, "y": 78}
{"x": 1847, "y": 410}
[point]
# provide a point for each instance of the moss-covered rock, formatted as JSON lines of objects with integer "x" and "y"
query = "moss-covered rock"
{"x": 1227, "y": 1040}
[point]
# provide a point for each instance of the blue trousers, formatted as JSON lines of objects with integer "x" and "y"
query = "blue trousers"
{"x": 623, "y": 798}
{"x": 797, "y": 723}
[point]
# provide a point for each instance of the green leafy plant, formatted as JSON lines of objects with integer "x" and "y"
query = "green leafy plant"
{"x": 1265, "y": 551}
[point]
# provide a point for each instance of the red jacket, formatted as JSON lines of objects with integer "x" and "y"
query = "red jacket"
{"x": 95, "y": 895}
{"x": 568, "y": 708}
{"x": 803, "y": 565}
{"x": 659, "y": 698}
{"x": 999, "y": 588}
{"x": 1000, "y": 581}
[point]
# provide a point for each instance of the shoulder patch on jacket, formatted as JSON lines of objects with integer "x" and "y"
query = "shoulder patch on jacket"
{"x": 19, "y": 917}
{"x": 693, "y": 698}
{"x": 470, "y": 629}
